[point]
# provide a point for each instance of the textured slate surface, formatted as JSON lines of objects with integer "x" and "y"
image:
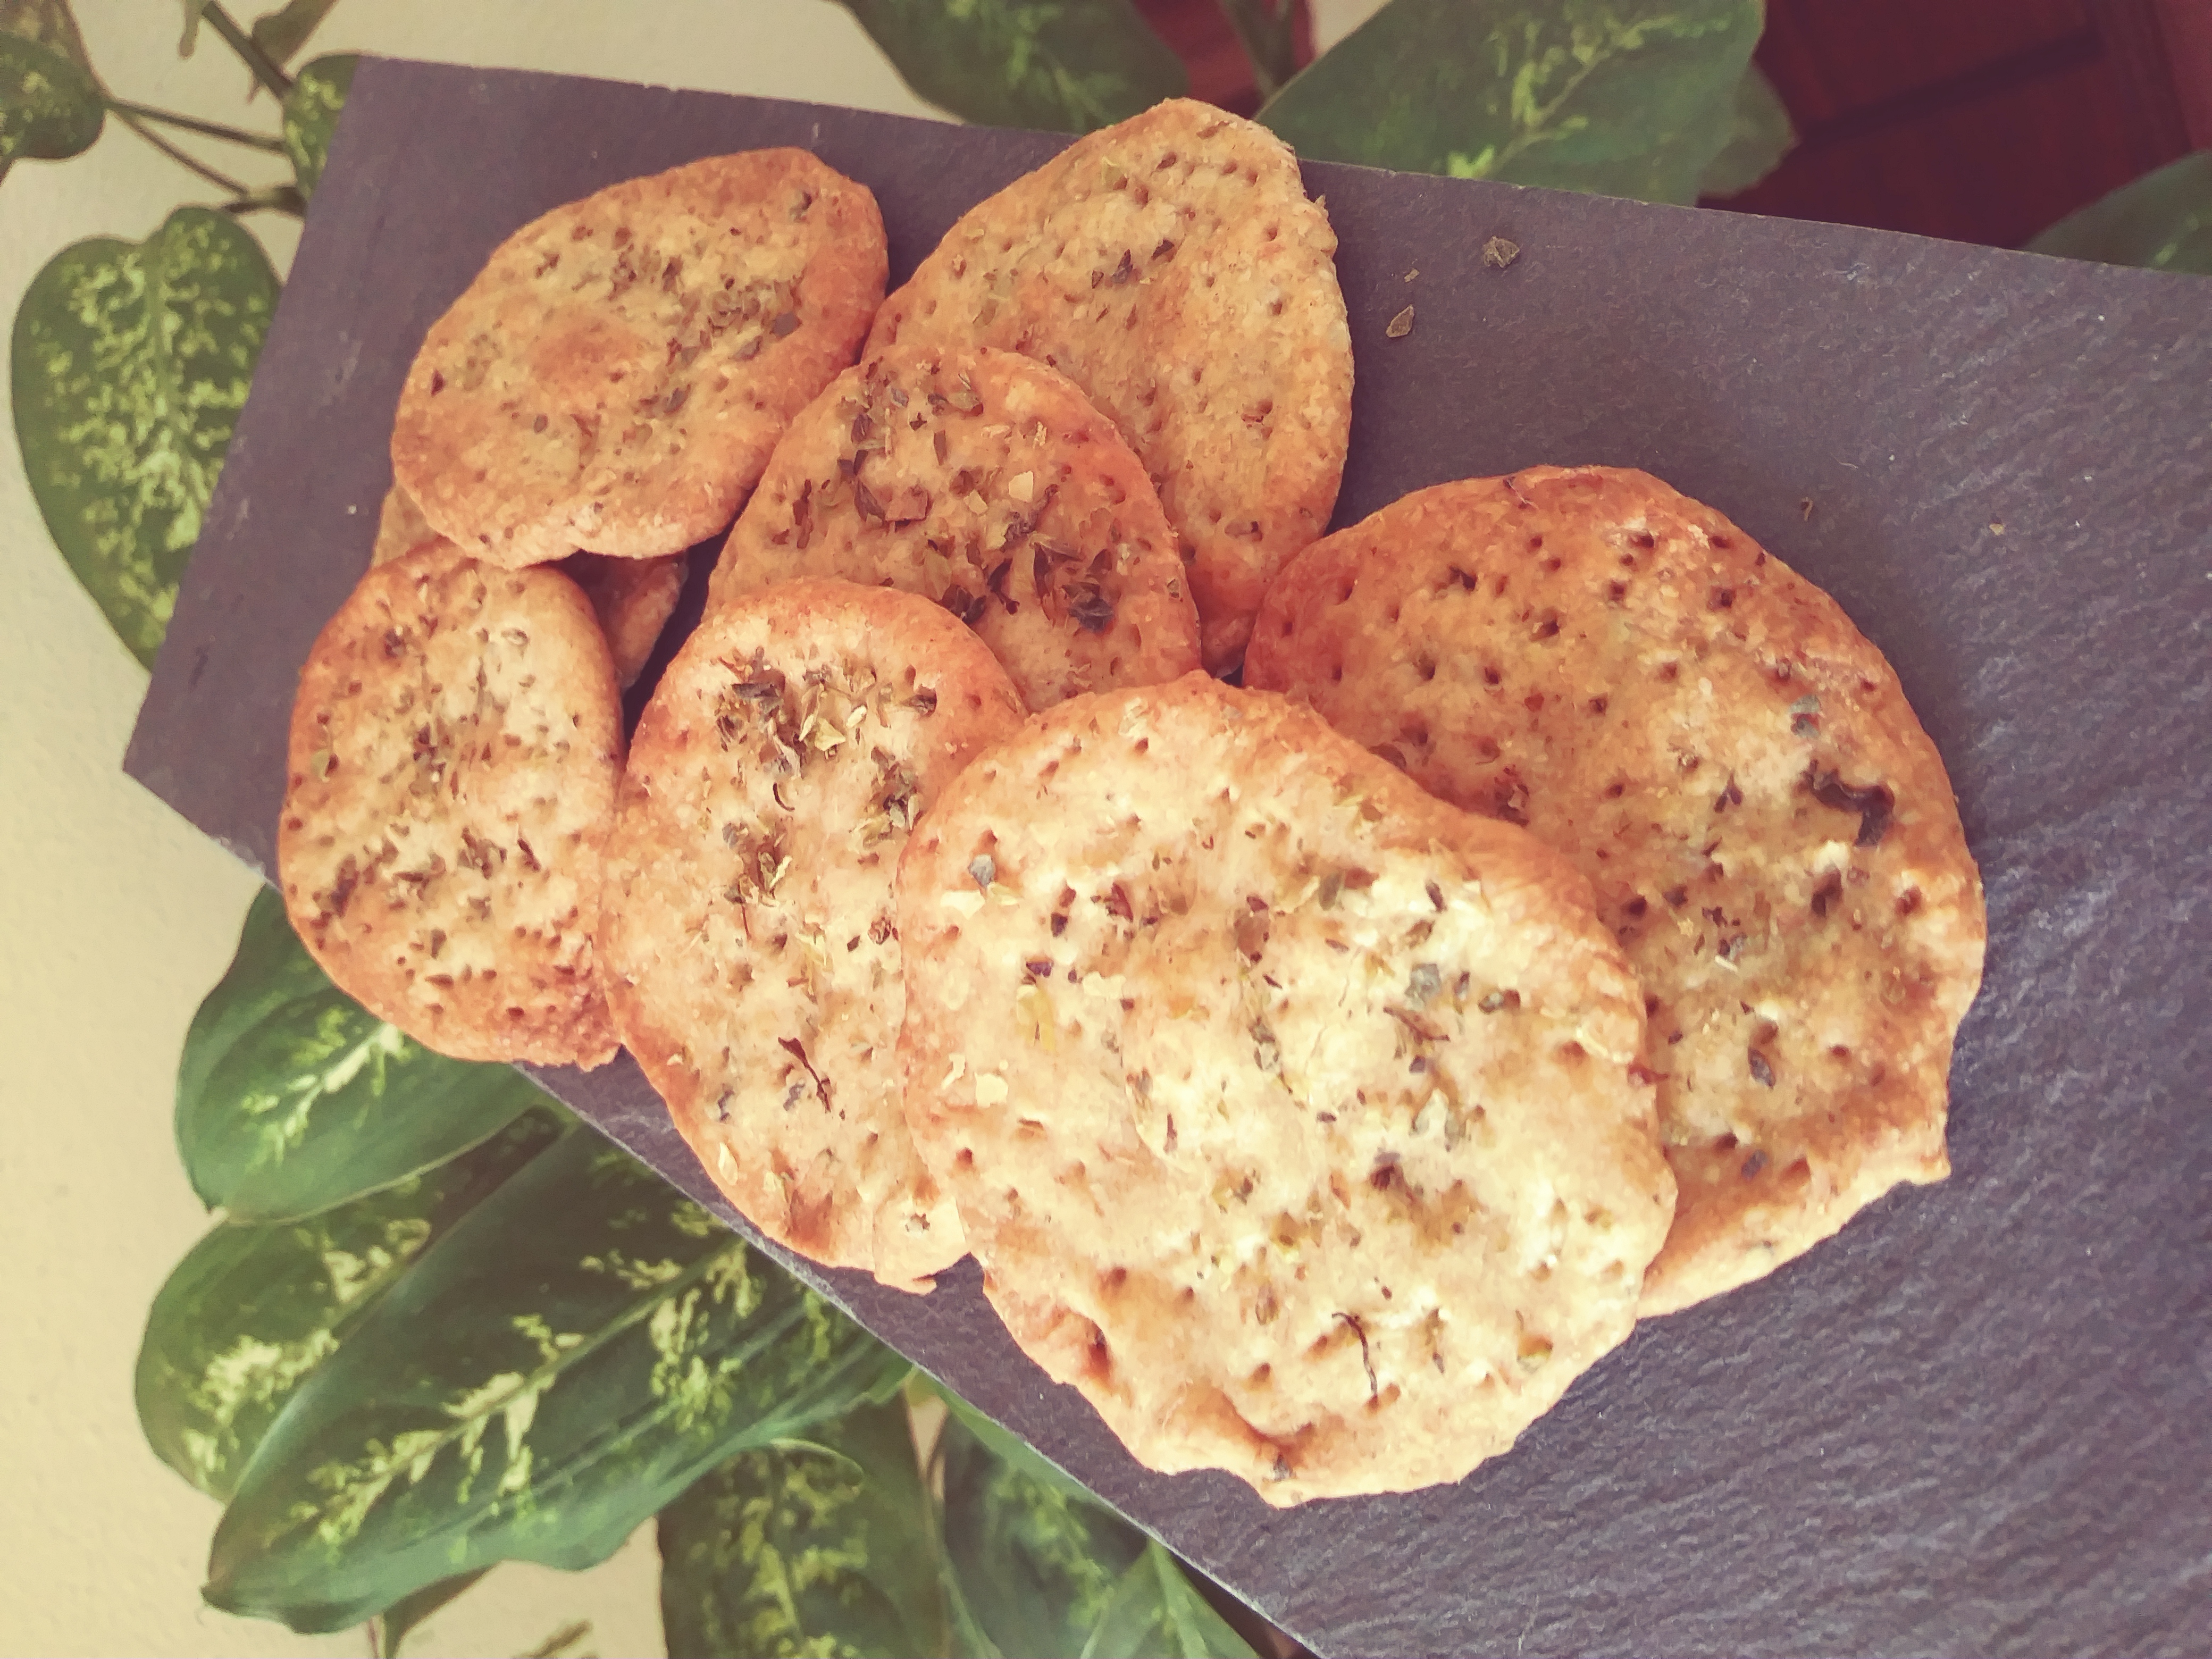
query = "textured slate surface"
{"x": 1979, "y": 1421}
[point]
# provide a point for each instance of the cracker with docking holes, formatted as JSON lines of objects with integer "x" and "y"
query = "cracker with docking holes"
{"x": 633, "y": 599}
{"x": 451, "y": 777}
{"x": 617, "y": 375}
{"x": 986, "y": 482}
{"x": 1173, "y": 269}
{"x": 1294, "y": 1114}
{"x": 752, "y": 957}
{"x": 1735, "y": 767}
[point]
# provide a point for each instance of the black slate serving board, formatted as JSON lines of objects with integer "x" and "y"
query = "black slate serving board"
{"x": 1981, "y": 1419}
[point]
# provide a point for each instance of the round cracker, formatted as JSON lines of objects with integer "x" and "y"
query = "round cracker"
{"x": 451, "y": 776}
{"x": 1735, "y": 767}
{"x": 1173, "y": 269}
{"x": 752, "y": 957}
{"x": 617, "y": 374}
{"x": 1293, "y": 1115}
{"x": 400, "y": 528}
{"x": 988, "y": 483}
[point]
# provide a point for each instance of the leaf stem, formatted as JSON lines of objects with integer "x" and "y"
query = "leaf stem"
{"x": 221, "y": 180}
{"x": 265, "y": 67}
{"x": 194, "y": 124}
{"x": 276, "y": 198}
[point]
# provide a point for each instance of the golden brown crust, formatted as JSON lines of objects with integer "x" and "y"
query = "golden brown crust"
{"x": 400, "y": 528}
{"x": 633, "y": 599}
{"x": 451, "y": 768}
{"x": 988, "y": 483}
{"x": 1173, "y": 269}
{"x": 1293, "y": 1115}
{"x": 1770, "y": 833}
{"x": 617, "y": 374}
{"x": 751, "y": 959}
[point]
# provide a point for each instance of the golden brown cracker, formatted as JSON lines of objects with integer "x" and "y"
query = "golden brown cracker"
{"x": 617, "y": 375}
{"x": 1293, "y": 1115}
{"x": 752, "y": 959}
{"x": 1733, "y": 767}
{"x": 986, "y": 482}
{"x": 400, "y": 528}
{"x": 633, "y": 599}
{"x": 451, "y": 777}
{"x": 1173, "y": 269}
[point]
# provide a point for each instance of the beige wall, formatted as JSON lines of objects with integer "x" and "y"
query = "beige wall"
{"x": 115, "y": 916}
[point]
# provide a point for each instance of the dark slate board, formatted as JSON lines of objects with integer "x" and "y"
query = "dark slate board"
{"x": 1979, "y": 1421}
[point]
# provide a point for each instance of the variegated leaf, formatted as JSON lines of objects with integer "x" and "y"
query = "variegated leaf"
{"x": 2162, "y": 221}
{"x": 252, "y": 1310}
{"x": 50, "y": 106}
{"x": 1759, "y": 137}
{"x": 291, "y": 1097}
{"x": 819, "y": 1546}
{"x": 1155, "y": 1610}
{"x": 131, "y": 363}
{"x": 311, "y": 115}
{"x": 1063, "y": 65}
{"x": 579, "y": 1349}
{"x": 1619, "y": 97}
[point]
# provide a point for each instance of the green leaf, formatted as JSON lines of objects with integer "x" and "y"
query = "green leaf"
{"x": 1263, "y": 29}
{"x": 282, "y": 33}
{"x": 252, "y": 1311}
{"x": 579, "y": 1348}
{"x": 50, "y": 106}
{"x": 1064, "y": 65}
{"x": 311, "y": 115}
{"x": 820, "y": 1547}
{"x": 292, "y": 1098}
{"x": 131, "y": 363}
{"x": 2162, "y": 221}
{"x": 1155, "y": 1609}
{"x": 1010, "y": 1448}
{"x": 1619, "y": 97}
{"x": 1759, "y": 138}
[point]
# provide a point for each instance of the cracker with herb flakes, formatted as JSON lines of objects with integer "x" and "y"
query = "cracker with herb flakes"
{"x": 451, "y": 777}
{"x": 633, "y": 599}
{"x": 1173, "y": 269}
{"x": 753, "y": 960}
{"x": 617, "y": 375}
{"x": 986, "y": 482}
{"x": 1293, "y": 1115}
{"x": 1735, "y": 767}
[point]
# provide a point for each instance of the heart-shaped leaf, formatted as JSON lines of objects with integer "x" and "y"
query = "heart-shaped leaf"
{"x": 578, "y": 1349}
{"x": 252, "y": 1310}
{"x": 131, "y": 363}
{"x": 1026, "y": 63}
{"x": 1619, "y": 97}
{"x": 816, "y": 1547}
{"x": 2162, "y": 221}
{"x": 1760, "y": 137}
{"x": 50, "y": 106}
{"x": 311, "y": 115}
{"x": 292, "y": 1098}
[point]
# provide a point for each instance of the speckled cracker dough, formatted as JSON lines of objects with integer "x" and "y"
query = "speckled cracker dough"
{"x": 1294, "y": 1115}
{"x": 616, "y": 377}
{"x": 1173, "y": 269}
{"x": 451, "y": 778}
{"x": 1770, "y": 833}
{"x": 752, "y": 958}
{"x": 986, "y": 482}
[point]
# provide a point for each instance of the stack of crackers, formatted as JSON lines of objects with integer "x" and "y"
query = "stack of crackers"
{"x": 1566, "y": 921}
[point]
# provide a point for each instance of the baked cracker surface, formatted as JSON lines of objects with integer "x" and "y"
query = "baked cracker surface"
{"x": 1173, "y": 267}
{"x": 753, "y": 956}
{"x": 450, "y": 779}
{"x": 1294, "y": 1115}
{"x": 617, "y": 375}
{"x": 1735, "y": 767}
{"x": 987, "y": 482}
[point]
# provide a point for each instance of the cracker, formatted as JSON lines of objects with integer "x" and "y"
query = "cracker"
{"x": 633, "y": 599}
{"x": 617, "y": 375}
{"x": 752, "y": 960}
{"x": 451, "y": 776}
{"x": 1173, "y": 269}
{"x": 1293, "y": 1115}
{"x": 988, "y": 483}
{"x": 1735, "y": 767}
